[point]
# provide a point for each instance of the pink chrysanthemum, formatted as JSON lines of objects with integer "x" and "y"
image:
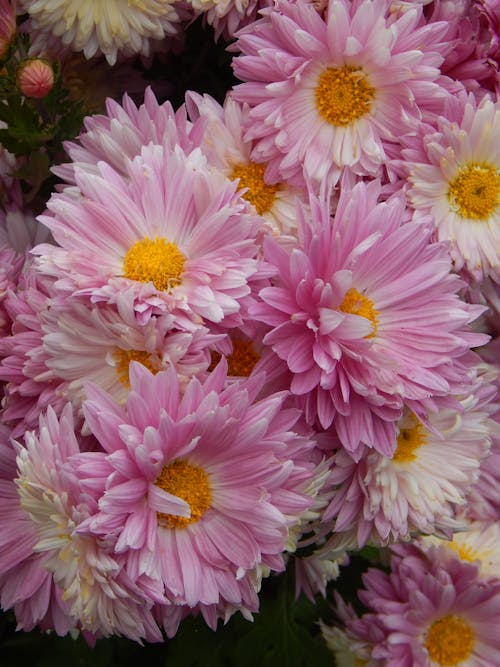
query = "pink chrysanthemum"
{"x": 124, "y": 131}
{"x": 225, "y": 147}
{"x": 421, "y": 487}
{"x": 434, "y": 612}
{"x": 455, "y": 177}
{"x": 171, "y": 236}
{"x": 100, "y": 597}
{"x": 365, "y": 315}
{"x": 195, "y": 489}
{"x": 327, "y": 93}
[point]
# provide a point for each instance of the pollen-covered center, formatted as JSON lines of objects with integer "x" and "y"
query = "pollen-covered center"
{"x": 188, "y": 482}
{"x": 241, "y": 360}
{"x": 449, "y": 640}
{"x": 260, "y": 194}
{"x": 358, "y": 304}
{"x": 475, "y": 192}
{"x": 343, "y": 94}
{"x": 123, "y": 359}
{"x": 410, "y": 439}
{"x": 154, "y": 260}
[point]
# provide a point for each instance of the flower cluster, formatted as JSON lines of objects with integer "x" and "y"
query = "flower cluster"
{"x": 260, "y": 334}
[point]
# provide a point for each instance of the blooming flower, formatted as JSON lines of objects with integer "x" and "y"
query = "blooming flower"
{"x": 455, "y": 176}
{"x": 422, "y": 487}
{"x": 351, "y": 317}
{"x": 122, "y": 26}
{"x": 327, "y": 93}
{"x": 179, "y": 474}
{"x": 225, "y": 147}
{"x": 434, "y": 612}
{"x": 171, "y": 237}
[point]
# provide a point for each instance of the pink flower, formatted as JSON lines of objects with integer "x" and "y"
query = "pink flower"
{"x": 365, "y": 315}
{"x": 180, "y": 474}
{"x": 7, "y": 26}
{"x": 435, "y": 611}
{"x": 328, "y": 93}
{"x": 35, "y": 78}
{"x": 169, "y": 237}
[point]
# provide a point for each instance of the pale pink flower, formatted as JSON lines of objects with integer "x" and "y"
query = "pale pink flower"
{"x": 454, "y": 174}
{"x": 179, "y": 475}
{"x": 434, "y": 611}
{"x": 327, "y": 93}
{"x": 170, "y": 237}
{"x": 365, "y": 315}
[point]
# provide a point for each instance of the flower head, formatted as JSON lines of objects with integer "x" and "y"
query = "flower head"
{"x": 326, "y": 93}
{"x": 351, "y": 317}
{"x": 35, "y": 78}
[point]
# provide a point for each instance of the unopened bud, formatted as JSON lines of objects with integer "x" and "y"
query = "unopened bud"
{"x": 35, "y": 78}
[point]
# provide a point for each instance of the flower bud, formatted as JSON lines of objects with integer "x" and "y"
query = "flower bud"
{"x": 35, "y": 78}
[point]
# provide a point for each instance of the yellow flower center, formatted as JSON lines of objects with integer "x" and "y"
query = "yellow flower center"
{"x": 409, "y": 440}
{"x": 450, "y": 640}
{"x": 123, "y": 359}
{"x": 475, "y": 192}
{"x": 358, "y": 304}
{"x": 343, "y": 94}
{"x": 259, "y": 193}
{"x": 154, "y": 260}
{"x": 188, "y": 482}
{"x": 465, "y": 552}
{"x": 241, "y": 360}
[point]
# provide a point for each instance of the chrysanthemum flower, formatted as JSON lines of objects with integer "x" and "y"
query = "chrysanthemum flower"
{"x": 455, "y": 177}
{"x": 26, "y": 586}
{"x": 171, "y": 236}
{"x": 422, "y": 487}
{"x": 195, "y": 488}
{"x": 122, "y": 133}
{"x": 101, "y": 598}
{"x": 225, "y": 147}
{"x": 7, "y": 26}
{"x": 227, "y": 16}
{"x": 327, "y": 93}
{"x": 434, "y": 612}
{"x": 365, "y": 315}
{"x": 113, "y": 27}
{"x": 477, "y": 544}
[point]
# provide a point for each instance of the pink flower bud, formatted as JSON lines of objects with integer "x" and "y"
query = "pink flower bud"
{"x": 7, "y": 26}
{"x": 35, "y": 78}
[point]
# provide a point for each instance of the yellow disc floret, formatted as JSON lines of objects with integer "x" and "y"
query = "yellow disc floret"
{"x": 450, "y": 641}
{"x": 188, "y": 482}
{"x": 475, "y": 192}
{"x": 343, "y": 95}
{"x": 260, "y": 194}
{"x": 358, "y": 304}
{"x": 123, "y": 359}
{"x": 241, "y": 360}
{"x": 154, "y": 260}
{"x": 409, "y": 440}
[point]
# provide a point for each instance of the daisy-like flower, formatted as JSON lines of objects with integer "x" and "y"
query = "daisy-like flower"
{"x": 171, "y": 237}
{"x": 227, "y": 16}
{"x": 123, "y": 132}
{"x": 224, "y": 145}
{"x": 26, "y": 586}
{"x": 421, "y": 488}
{"x": 365, "y": 315}
{"x": 435, "y": 612}
{"x": 326, "y": 93}
{"x": 101, "y": 597}
{"x": 195, "y": 488}
{"x": 97, "y": 344}
{"x": 91, "y": 26}
{"x": 455, "y": 176}
{"x": 477, "y": 544}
